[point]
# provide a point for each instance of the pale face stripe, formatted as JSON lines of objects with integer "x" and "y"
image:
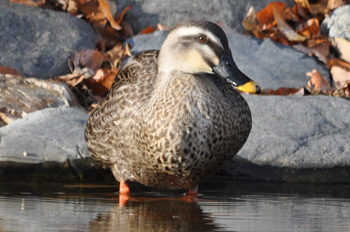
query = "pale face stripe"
{"x": 194, "y": 31}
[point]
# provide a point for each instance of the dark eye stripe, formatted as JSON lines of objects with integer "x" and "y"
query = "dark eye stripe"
{"x": 209, "y": 62}
{"x": 216, "y": 48}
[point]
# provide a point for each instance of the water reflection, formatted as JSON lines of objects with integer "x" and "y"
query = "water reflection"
{"x": 174, "y": 215}
{"x": 223, "y": 205}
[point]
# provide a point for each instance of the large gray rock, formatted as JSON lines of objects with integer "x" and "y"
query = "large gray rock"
{"x": 295, "y": 134}
{"x": 49, "y": 146}
{"x": 48, "y": 135}
{"x": 150, "y": 12}
{"x": 38, "y": 42}
{"x": 270, "y": 64}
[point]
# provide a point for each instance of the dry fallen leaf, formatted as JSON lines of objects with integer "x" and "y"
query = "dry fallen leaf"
{"x": 251, "y": 23}
{"x": 317, "y": 82}
{"x": 300, "y": 12}
{"x": 127, "y": 50}
{"x": 285, "y": 28}
{"x": 86, "y": 64}
{"x": 91, "y": 59}
{"x": 343, "y": 48}
{"x": 321, "y": 50}
{"x": 71, "y": 7}
{"x": 284, "y": 91}
{"x": 162, "y": 27}
{"x": 105, "y": 10}
{"x": 11, "y": 71}
{"x": 339, "y": 62}
{"x": 341, "y": 77}
{"x": 302, "y": 3}
{"x": 102, "y": 81}
{"x": 5, "y": 118}
{"x": 30, "y": 2}
{"x": 92, "y": 13}
{"x": 266, "y": 17}
{"x": 121, "y": 16}
{"x": 98, "y": 13}
{"x": 147, "y": 30}
{"x": 310, "y": 29}
{"x": 315, "y": 7}
{"x": 118, "y": 53}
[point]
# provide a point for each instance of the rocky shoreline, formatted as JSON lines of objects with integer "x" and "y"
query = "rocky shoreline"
{"x": 294, "y": 138}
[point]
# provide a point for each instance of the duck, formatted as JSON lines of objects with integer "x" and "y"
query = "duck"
{"x": 175, "y": 116}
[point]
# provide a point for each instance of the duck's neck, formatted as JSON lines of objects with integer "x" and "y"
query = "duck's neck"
{"x": 175, "y": 81}
{"x": 173, "y": 85}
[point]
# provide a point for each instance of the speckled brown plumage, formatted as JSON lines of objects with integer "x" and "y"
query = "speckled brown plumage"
{"x": 168, "y": 134}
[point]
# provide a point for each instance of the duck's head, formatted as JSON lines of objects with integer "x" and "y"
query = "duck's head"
{"x": 202, "y": 47}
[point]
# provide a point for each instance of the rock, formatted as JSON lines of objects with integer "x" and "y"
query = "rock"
{"x": 52, "y": 134}
{"x": 145, "y": 42}
{"x": 270, "y": 64}
{"x": 38, "y": 42}
{"x": 338, "y": 24}
{"x": 150, "y": 12}
{"x": 48, "y": 146}
{"x": 19, "y": 96}
{"x": 296, "y": 139}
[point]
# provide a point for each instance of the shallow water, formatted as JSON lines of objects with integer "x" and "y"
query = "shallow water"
{"x": 223, "y": 205}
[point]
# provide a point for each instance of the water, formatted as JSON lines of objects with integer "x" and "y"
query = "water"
{"x": 223, "y": 205}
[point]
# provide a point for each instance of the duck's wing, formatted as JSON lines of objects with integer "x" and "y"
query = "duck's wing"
{"x": 142, "y": 65}
{"x": 105, "y": 127}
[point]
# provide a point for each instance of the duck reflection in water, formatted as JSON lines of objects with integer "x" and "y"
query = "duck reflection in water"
{"x": 155, "y": 216}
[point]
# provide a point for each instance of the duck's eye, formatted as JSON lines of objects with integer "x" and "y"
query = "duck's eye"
{"x": 202, "y": 38}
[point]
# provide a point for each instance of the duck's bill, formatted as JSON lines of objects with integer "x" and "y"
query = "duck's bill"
{"x": 228, "y": 69}
{"x": 250, "y": 87}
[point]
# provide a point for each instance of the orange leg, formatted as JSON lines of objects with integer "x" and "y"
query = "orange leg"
{"x": 192, "y": 192}
{"x": 124, "y": 188}
{"x": 124, "y": 193}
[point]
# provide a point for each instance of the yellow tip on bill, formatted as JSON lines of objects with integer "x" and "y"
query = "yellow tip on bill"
{"x": 250, "y": 87}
